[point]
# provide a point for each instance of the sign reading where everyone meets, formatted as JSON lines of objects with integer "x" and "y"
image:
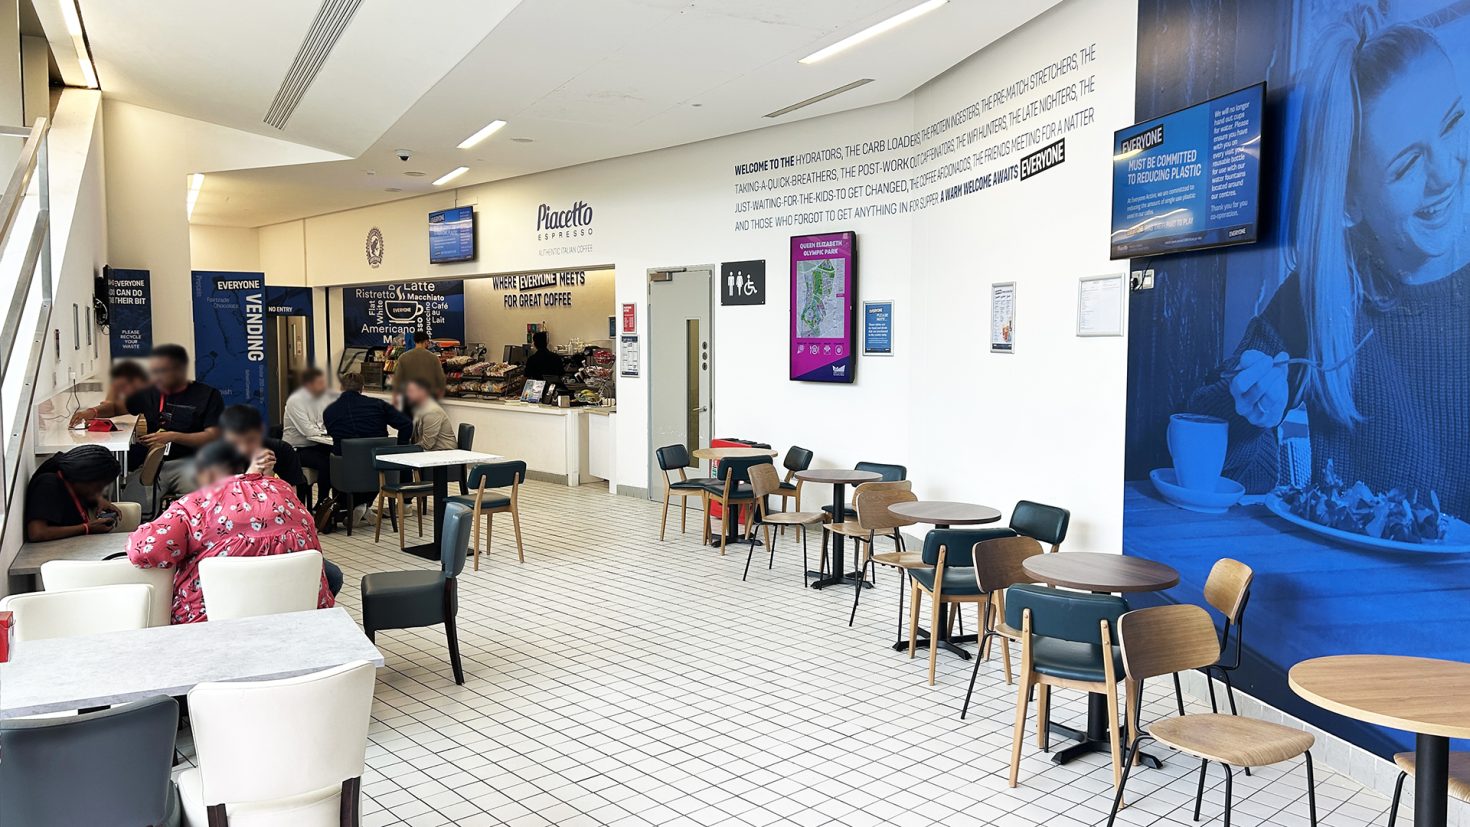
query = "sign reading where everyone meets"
{"x": 539, "y": 289}
{"x": 743, "y": 282}
{"x": 376, "y": 314}
{"x": 129, "y": 311}
{"x": 229, "y": 335}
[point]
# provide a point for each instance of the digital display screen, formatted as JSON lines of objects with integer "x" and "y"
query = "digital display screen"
{"x": 823, "y": 324}
{"x": 1190, "y": 179}
{"x": 452, "y": 235}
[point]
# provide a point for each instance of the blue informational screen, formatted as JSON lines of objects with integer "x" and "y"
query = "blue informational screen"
{"x": 1190, "y": 179}
{"x": 452, "y": 235}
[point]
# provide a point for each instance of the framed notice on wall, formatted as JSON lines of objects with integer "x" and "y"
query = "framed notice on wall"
{"x": 823, "y": 307}
{"x": 1003, "y": 317}
{"x": 878, "y": 328}
{"x": 1100, "y": 305}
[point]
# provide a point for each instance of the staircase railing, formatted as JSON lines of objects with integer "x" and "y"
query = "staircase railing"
{"x": 32, "y": 166}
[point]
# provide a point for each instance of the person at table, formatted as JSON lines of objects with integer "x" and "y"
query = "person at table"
{"x": 302, "y": 425}
{"x": 432, "y": 429}
{"x": 64, "y": 498}
{"x": 181, "y": 416}
{"x": 355, "y": 415}
{"x": 419, "y": 364}
{"x": 234, "y": 511}
{"x": 243, "y": 427}
{"x": 543, "y": 362}
{"x": 126, "y": 378}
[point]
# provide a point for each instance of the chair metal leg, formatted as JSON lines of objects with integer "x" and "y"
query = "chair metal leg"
{"x": 1229, "y": 791}
{"x": 1210, "y": 682}
{"x": 1179, "y": 694}
{"x": 804, "y": 563}
{"x": 771, "y": 544}
{"x": 1123, "y": 782}
{"x": 1393, "y": 809}
{"x": 974, "y": 673}
{"x": 748, "y": 555}
{"x": 1312, "y": 790}
{"x": 858, "y": 592}
{"x": 1199, "y": 795}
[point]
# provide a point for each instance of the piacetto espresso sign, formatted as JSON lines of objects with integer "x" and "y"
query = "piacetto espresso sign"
{"x": 564, "y": 228}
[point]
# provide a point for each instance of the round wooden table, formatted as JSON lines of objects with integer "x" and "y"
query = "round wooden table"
{"x": 839, "y": 479}
{"x": 1103, "y": 574}
{"x": 943, "y": 514}
{"x": 731, "y": 528}
{"x": 1428, "y": 697}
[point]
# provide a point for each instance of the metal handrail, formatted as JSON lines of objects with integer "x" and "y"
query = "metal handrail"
{"x": 20, "y": 180}
{"x": 39, "y": 237}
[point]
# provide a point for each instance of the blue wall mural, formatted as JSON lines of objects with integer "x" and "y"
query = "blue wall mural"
{"x": 1303, "y": 404}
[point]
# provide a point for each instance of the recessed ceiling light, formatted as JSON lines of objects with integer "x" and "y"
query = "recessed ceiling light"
{"x": 73, "y": 22}
{"x": 485, "y": 131}
{"x": 414, "y": 174}
{"x": 873, "y": 31}
{"x": 393, "y": 189}
{"x": 522, "y": 140}
{"x": 196, "y": 183}
{"x": 696, "y": 105}
{"x": 451, "y": 175}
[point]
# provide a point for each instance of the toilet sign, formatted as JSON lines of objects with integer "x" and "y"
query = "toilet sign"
{"x": 743, "y": 282}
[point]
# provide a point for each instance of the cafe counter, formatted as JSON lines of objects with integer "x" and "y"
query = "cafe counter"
{"x": 570, "y": 446}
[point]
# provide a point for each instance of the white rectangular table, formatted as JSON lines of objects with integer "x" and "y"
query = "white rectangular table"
{"x": 438, "y": 463}
{"x": 65, "y": 674}
{"x": 88, "y": 547}
{"x": 53, "y": 436}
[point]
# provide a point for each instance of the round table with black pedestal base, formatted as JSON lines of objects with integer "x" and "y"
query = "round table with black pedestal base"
{"x": 729, "y": 526}
{"x": 839, "y": 479}
{"x": 942, "y": 514}
{"x": 1102, "y": 574}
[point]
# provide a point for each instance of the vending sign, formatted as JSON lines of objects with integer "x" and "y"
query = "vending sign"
{"x": 229, "y": 335}
{"x": 375, "y": 315}
{"x": 823, "y": 313}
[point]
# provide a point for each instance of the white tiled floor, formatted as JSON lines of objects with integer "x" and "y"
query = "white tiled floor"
{"x": 614, "y": 679}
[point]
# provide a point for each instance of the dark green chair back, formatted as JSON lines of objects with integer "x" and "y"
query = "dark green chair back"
{"x": 108, "y": 767}
{"x": 355, "y": 472}
{"x": 960, "y": 543}
{"x": 797, "y": 459}
{"x": 673, "y": 457}
{"x": 890, "y": 473}
{"x": 737, "y": 469}
{"x": 455, "y": 545}
{"x": 465, "y": 437}
{"x": 497, "y": 474}
{"x": 1043, "y": 523}
{"x": 1064, "y": 615}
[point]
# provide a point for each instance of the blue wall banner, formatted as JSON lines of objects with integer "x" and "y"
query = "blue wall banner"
{"x": 374, "y": 315}
{"x": 1299, "y": 404}
{"x": 878, "y": 328}
{"x": 229, "y": 335}
{"x": 129, "y": 312}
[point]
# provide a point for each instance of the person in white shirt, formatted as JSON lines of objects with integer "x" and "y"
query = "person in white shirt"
{"x": 302, "y": 422}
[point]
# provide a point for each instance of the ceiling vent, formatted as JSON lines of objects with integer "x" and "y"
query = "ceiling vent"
{"x": 331, "y": 21}
{"x": 831, "y": 93}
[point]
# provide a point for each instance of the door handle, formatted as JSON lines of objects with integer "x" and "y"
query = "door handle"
{"x": 699, "y": 410}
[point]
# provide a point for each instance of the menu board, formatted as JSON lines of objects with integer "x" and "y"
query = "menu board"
{"x": 1190, "y": 179}
{"x": 823, "y": 312}
{"x": 376, "y": 314}
{"x": 452, "y": 235}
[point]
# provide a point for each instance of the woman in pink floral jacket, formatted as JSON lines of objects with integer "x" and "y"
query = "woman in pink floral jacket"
{"x": 232, "y": 514}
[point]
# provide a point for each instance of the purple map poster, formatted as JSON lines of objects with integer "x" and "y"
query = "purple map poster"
{"x": 823, "y": 292}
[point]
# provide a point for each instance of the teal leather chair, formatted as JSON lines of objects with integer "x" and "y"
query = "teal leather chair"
{"x": 731, "y": 489}
{"x": 949, "y": 583}
{"x": 496, "y": 489}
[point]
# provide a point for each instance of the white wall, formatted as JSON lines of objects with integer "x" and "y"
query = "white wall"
{"x": 224, "y": 248}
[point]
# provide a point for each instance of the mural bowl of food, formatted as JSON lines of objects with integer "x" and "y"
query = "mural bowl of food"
{"x": 1393, "y": 520}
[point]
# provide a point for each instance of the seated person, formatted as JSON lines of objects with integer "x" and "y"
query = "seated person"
{"x": 64, "y": 498}
{"x": 355, "y": 415}
{"x": 126, "y": 378}
{"x": 302, "y": 423}
{"x": 235, "y": 511}
{"x": 243, "y": 427}
{"x": 432, "y": 429}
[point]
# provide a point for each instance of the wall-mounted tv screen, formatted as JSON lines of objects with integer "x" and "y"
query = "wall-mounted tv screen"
{"x": 452, "y": 235}
{"x": 1190, "y": 179}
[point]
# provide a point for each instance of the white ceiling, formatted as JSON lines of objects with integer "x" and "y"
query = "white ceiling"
{"x": 584, "y": 79}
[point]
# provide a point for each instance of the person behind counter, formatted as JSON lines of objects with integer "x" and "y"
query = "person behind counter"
{"x": 544, "y": 361}
{"x": 302, "y": 423}
{"x": 234, "y": 512}
{"x": 182, "y": 416}
{"x": 432, "y": 429}
{"x": 64, "y": 497}
{"x": 419, "y": 364}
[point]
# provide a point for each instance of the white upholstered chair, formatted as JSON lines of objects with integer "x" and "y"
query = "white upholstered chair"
{"x": 61, "y": 575}
{"x": 249, "y": 586}
{"x": 283, "y": 753}
{"x": 53, "y": 614}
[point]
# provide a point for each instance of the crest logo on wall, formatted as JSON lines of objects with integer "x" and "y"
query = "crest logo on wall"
{"x": 374, "y": 247}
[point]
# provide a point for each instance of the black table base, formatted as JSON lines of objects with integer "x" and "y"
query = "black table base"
{"x": 430, "y": 550}
{"x": 1095, "y": 738}
{"x": 1431, "y": 780}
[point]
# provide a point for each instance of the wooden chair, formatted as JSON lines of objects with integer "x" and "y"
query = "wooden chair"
{"x": 1228, "y": 589}
{"x": 394, "y": 492}
{"x": 998, "y": 566}
{"x": 486, "y": 501}
{"x": 946, "y": 576}
{"x": 676, "y": 458}
{"x": 887, "y": 472}
{"x": 874, "y": 520}
{"x": 732, "y": 489}
{"x": 1459, "y": 779}
{"x": 1067, "y": 642}
{"x": 148, "y": 478}
{"x": 765, "y": 483}
{"x": 1169, "y": 639}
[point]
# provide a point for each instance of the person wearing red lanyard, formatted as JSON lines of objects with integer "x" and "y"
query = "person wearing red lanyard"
{"x": 182, "y": 416}
{"x": 64, "y": 497}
